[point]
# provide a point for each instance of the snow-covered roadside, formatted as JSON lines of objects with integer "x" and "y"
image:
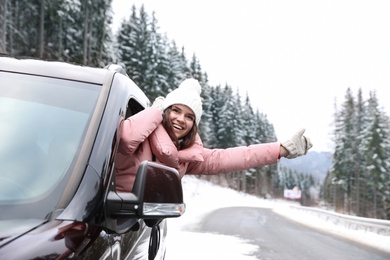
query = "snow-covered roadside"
{"x": 367, "y": 238}
{"x": 202, "y": 197}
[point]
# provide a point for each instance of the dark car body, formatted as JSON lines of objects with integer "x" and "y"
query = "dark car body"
{"x": 60, "y": 127}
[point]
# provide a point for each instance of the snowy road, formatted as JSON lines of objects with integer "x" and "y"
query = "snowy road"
{"x": 279, "y": 238}
{"x": 202, "y": 198}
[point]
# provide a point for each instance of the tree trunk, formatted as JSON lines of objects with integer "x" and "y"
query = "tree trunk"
{"x": 375, "y": 201}
{"x": 357, "y": 192}
{"x": 86, "y": 35}
{"x": 41, "y": 29}
{"x": 243, "y": 181}
{"x": 10, "y": 25}
{"x": 60, "y": 46}
{"x": 257, "y": 192}
{"x": 3, "y": 27}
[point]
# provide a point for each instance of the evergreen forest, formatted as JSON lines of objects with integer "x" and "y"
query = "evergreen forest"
{"x": 80, "y": 32}
{"x": 359, "y": 181}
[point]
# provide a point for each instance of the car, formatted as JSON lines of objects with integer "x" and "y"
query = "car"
{"x": 60, "y": 131}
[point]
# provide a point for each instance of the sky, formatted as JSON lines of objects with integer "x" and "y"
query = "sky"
{"x": 202, "y": 197}
{"x": 295, "y": 59}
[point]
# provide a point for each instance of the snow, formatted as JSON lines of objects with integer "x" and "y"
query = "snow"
{"x": 202, "y": 197}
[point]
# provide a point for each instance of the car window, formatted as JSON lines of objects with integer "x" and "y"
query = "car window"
{"x": 42, "y": 123}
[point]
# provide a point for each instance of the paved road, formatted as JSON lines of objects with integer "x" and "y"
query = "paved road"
{"x": 279, "y": 238}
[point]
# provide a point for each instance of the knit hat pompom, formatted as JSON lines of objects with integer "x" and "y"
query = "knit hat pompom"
{"x": 191, "y": 85}
{"x": 188, "y": 93}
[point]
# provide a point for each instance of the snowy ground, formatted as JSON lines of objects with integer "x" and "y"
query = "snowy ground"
{"x": 202, "y": 197}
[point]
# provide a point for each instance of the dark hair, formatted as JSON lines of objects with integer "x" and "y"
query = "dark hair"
{"x": 187, "y": 140}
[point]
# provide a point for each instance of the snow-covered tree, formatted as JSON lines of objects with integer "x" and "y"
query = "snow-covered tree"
{"x": 376, "y": 148}
{"x": 361, "y": 167}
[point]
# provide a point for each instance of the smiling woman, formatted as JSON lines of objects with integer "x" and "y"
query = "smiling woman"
{"x": 169, "y": 135}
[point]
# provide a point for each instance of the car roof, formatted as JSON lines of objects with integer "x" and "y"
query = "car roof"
{"x": 53, "y": 69}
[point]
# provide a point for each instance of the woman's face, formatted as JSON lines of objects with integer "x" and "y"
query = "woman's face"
{"x": 182, "y": 119}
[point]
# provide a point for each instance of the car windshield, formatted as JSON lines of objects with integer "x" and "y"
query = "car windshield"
{"x": 43, "y": 122}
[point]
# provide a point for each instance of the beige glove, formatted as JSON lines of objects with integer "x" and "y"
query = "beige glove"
{"x": 297, "y": 145}
{"x": 159, "y": 103}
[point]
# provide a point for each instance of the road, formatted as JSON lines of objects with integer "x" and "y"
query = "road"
{"x": 279, "y": 238}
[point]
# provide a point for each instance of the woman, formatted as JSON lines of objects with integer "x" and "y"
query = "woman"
{"x": 167, "y": 132}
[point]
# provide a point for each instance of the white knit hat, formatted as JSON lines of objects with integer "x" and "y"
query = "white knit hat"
{"x": 188, "y": 93}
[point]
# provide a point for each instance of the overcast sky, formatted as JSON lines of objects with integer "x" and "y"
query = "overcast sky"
{"x": 294, "y": 58}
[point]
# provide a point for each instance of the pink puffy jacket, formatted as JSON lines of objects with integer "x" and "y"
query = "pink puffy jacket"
{"x": 143, "y": 133}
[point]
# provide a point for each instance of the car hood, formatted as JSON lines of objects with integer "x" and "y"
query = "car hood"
{"x": 12, "y": 229}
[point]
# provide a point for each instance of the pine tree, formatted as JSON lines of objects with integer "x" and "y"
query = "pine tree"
{"x": 206, "y": 124}
{"x": 218, "y": 97}
{"x": 177, "y": 66}
{"x": 226, "y": 132}
{"x": 359, "y": 158}
{"x": 142, "y": 53}
{"x": 247, "y": 128}
{"x": 249, "y": 123}
{"x": 195, "y": 69}
{"x": 212, "y": 107}
{"x": 376, "y": 151}
{"x": 158, "y": 63}
{"x": 344, "y": 155}
{"x": 66, "y": 32}
{"x": 23, "y": 27}
{"x": 127, "y": 46}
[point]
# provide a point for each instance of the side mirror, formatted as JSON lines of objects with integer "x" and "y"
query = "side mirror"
{"x": 157, "y": 194}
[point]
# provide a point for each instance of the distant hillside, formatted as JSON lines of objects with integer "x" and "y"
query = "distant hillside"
{"x": 314, "y": 163}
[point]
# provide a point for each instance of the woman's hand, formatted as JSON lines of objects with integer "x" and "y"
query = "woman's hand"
{"x": 159, "y": 103}
{"x": 297, "y": 145}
